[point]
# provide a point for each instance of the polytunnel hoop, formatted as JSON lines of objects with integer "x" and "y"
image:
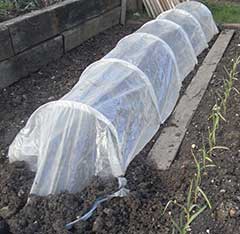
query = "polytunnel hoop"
{"x": 173, "y": 57}
{"x": 189, "y": 58}
{"x": 95, "y": 112}
{"x": 192, "y": 8}
{"x": 185, "y": 19}
{"x": 102, "y": 118}
{"x": 142, "y": 75}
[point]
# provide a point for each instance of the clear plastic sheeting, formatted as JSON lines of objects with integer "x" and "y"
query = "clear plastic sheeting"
{"x": 125, "y": 96}
{"x": 190, "y": 25}
{"x": 154, "y": 57}
{"x": 65, "y": 142}
{"x": 178, "y": 41}
{"x": 203, "y": 15}
{"x": 115, "y": 108}
{"x": 96, "y": 129}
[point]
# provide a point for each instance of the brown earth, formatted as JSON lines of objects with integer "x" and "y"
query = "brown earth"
{"x": 150, "y": 189}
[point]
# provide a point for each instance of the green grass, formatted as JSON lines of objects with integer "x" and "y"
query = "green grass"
{"x": 224, "y": 12}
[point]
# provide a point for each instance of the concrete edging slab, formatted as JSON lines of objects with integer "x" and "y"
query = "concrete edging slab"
{"x": 167, "y": 145}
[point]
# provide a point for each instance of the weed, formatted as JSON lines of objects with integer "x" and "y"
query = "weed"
{"x": 228, "y": 83}
{"x": 191, "y": 210}
{"x": 206, "y": 157}
{"x": 216, "y": 116}
{"x": 188, "y": 213}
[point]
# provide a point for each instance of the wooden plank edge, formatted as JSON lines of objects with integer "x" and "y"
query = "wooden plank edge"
{"x": 231, "y": 26}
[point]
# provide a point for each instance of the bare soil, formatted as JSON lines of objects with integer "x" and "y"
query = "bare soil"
{"x": 150, "y": 189}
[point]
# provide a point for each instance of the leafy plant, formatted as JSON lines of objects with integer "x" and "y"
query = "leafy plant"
{"x": 197, "y": 181}
{"x": 192, "y": 209}
{"x": 228, "y": 83}
{"x": 215, "y": 117}
{"x": 188, "y": 213}
{"x": 206, "y": 157}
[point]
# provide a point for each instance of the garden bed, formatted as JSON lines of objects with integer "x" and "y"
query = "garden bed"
{"x": 150, "y": 189}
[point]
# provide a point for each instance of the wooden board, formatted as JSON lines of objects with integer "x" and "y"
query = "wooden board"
{"x": 159, "y": 6}
{"x": 154, "y": 7}
{"x": 150, "y": 8}
{"x": 145, "y": 3}
{"x": 169, "y": 142}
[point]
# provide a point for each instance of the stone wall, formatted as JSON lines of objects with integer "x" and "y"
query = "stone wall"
{"x": 30, "y": 41}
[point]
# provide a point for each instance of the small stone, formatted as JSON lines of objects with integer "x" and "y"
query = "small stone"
{"x": 51, "y": 98}
{"x": 221, "y": 212}
{"x": 4, "y": 212}
{"x": 226, "y": 209}
{"x": 232, "y": 212}
{"x": 21, "y": 193}
{"x": 97, "y": 225}
{"x": 107, "y": 211}
{"x": 33, "y": 227}
{"x": 193, "y": 146}
{"x": 137, "y": 14}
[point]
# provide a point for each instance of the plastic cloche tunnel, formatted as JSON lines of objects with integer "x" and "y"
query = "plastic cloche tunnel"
{"x": 178, "y": 41}
{"x": 96, "y": 129}
{"x": 203, "y": 15}
{"x": 190, "y": 25}
{"x": 117, "y": 105}
{"x": 154, "y": 57}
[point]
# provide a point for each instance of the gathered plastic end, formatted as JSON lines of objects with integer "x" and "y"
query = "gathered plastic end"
{"x": 121, "y": 192}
